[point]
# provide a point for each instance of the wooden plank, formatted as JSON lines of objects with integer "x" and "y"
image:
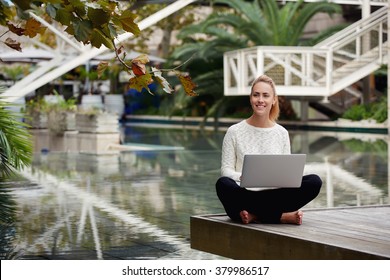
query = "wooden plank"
{"x": 336, "y": 233}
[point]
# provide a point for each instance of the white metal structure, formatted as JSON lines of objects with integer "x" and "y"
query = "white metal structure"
{"x": 319, "y": 71}
{"x": 76, "y": 54}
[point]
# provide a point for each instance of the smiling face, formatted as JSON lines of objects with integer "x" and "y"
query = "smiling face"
{"x": 262, "y": 99}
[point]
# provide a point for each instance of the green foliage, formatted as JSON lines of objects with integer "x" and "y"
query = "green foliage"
{"x": 15, "y": 72}
{"x": 376, "y": 111}
{"x": 377, "y": 147}
{"x": 15, "y": 142}
{"x": 357, "y": 113}
{"x": 94, "y": 22}
{"x": 36, "y": 105}
{"x": 61, "y": 105}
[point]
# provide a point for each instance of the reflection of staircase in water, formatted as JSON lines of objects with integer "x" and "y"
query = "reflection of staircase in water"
{"x": 91, "y": 201}
{"x": 335, "y": 176}
{"x": 338, "y": 178}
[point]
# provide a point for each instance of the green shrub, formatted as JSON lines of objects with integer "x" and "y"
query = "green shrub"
{"x": 376, "y": 111}
{"x": 357, "y": 113}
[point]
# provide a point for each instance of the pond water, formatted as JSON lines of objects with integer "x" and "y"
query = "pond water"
{"x": 137, "y": 204}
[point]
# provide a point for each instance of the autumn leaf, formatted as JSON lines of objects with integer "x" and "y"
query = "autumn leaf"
{"x": 138, "y": 69}
{"x": 143, "y": 58}
{"x": 102, "y": 66}
{"x": 138, "y": 65}
{"x": 141, "y": 82}
{"x": 14, "y": 29}
{"x": 187, "y": 83}
{"x": 33, "y": 27}
{"x": 13, "y": 44}
{"x": 162, "y": 81}
{"x": 120, "y": 50}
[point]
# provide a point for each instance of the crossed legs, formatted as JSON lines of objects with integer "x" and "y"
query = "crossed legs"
{"x": 268, "y": 206}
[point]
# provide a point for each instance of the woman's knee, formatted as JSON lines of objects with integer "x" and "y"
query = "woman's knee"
{"x": 220, "y": 185}
{"x": 312, "y": 183}
{"x": 227, "y": 188}
{"x": 315, "y": 183}
{"x": 223, "y": 183}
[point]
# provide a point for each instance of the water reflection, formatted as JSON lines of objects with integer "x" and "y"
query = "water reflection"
{"x": 136, "y": 204}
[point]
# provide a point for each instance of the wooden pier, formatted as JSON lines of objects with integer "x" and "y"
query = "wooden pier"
{"x": 326, "y": 234}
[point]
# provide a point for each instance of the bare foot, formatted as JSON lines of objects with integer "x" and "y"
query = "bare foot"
{"x": 292, "y": 218}
{"x": 247, "y": 217}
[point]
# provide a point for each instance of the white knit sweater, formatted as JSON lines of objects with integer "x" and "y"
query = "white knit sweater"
{"x": 243, "y": 138}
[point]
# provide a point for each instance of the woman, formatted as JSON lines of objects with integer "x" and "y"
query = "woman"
{"x": 260, "y": 134}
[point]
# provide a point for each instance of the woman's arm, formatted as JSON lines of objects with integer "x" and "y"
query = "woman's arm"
{"x": 229, "y": 157}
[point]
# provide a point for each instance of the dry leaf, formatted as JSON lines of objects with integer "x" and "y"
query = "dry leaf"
{"x": 33, "y": 27}
{"x": 138, "y": 65}
{"x": 143, "y": 58}
{"x": 14, "y": 29}
{"x": 138, "y": 69}
{"x": 141, "y": 82}
{"x": 187, "y": 84}
{"x": 13, "y": 44}
{"x": 162, "y": 81}
{"x": 102, "y": 66}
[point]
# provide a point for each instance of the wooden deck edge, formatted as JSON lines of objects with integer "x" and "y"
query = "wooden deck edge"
{"x": 236, "y": 241}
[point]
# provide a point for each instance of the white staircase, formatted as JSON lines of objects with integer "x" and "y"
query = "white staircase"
{"x": 317, "y": 72}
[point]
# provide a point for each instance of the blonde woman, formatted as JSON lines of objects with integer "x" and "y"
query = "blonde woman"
{"x": 260, "y": 134}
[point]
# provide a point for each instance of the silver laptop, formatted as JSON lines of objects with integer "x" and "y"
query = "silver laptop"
{"x": 261, "y": 171}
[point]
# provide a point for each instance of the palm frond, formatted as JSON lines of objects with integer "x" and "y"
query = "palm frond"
{"x": 307, "y": 12}
{"x": 15, "y": 141}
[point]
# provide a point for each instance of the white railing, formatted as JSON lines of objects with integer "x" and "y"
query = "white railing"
{"x": 321, "y": 71}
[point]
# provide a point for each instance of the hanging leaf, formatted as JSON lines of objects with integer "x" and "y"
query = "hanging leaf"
{"x": 82, "y": 30}
{"x": 162, "y": 81}
{"x": 33, "y": 27}
{"x": 138, "y": 65}
{"x": 98, "y": 38}
{"x": 63, "y": 16}
{"x": 120, "y": 50}
{"x": 141, "y": 82}
{"x": 138, "y": 69}
{"x": 98, "y": 17}
{"x": 126, "y": 19}
{"x": 14, "y": 29}
{"x": 143, "y": 58}
{"x": 102, "y": 66}
{"x": 76, "y": 6}
{"x": 187, "y": 83}
{"x": 13, "y": 44}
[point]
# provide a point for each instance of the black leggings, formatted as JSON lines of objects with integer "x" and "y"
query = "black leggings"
{"x": 268, "y": 205}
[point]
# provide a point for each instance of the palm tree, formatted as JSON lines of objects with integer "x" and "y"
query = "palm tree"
{"x": 244, "y": 24}
{"x": 15, "y": 153}
{"x": 15, "y": 143}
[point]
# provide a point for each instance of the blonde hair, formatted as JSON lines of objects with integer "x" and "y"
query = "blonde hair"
{"x": 275, "y": 110}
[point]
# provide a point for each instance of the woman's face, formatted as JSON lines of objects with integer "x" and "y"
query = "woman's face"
{"x": 262, "y": 98}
